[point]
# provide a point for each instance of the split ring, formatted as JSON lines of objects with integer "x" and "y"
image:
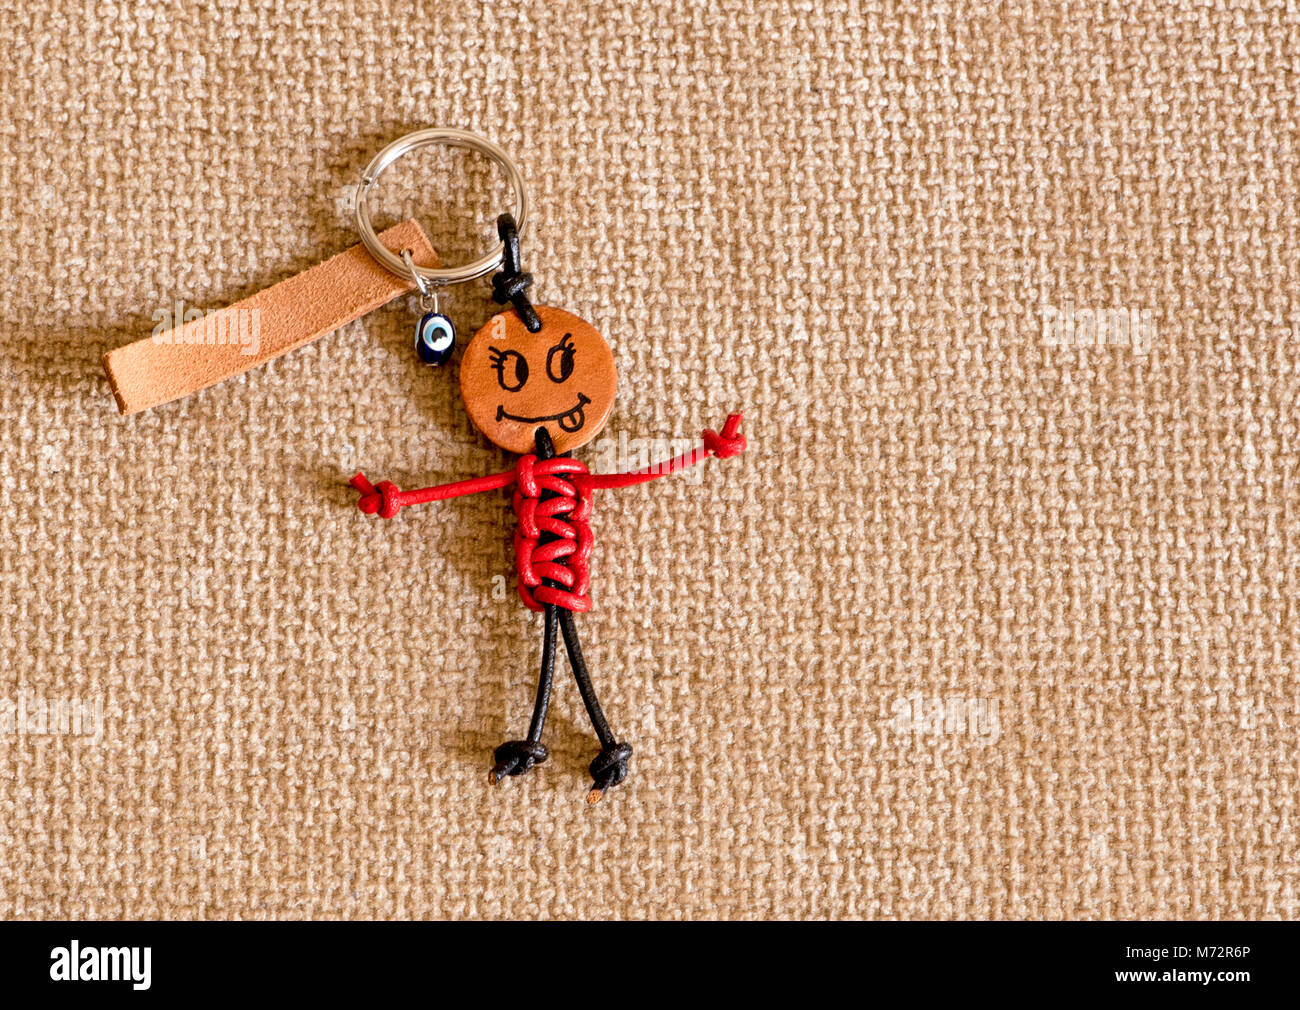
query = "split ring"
{"x": 404, "y": 145}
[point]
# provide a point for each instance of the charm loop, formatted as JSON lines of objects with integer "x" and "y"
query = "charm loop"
{"x": 414, "y": 141}
{"x": 427, "y": 297}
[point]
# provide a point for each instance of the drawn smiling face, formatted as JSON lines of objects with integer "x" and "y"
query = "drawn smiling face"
{"x": 562, "y": 378}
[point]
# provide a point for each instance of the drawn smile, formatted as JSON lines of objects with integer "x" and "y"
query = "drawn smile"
{"x": 569, "y": 420}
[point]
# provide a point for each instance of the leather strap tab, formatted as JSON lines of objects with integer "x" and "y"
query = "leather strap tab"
{"x": 272, "y": 322}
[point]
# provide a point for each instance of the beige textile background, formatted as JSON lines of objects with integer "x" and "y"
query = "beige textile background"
{"x": 884, "y": 230}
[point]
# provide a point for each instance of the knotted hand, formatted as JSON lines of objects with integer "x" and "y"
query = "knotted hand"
{"x": 730, "y": 442}
{"x": 378, "y": 498}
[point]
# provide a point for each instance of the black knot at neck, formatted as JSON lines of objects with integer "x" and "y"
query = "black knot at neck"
{"x": 511, "y": 284}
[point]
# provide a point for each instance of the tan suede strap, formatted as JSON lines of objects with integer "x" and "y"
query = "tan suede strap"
{"x": 202, "y": 352}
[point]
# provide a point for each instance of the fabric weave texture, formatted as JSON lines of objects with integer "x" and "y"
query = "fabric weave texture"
{"x": 996, "y": 618}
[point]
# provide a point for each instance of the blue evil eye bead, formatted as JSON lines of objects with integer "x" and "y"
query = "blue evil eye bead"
{"x": 434, "y": 338}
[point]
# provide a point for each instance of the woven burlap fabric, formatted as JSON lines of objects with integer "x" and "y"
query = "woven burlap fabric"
{"x": 996, "y": 618}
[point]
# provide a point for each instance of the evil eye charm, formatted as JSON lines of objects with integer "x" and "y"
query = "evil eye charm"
{"x": 434, "y": 338}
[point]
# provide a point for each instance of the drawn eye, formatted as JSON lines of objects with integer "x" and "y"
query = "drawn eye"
{"x": 511, "y": 367}
{"x": 559, "y": 359}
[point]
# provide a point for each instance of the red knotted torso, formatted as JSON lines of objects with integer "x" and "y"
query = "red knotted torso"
{"x": 553, "y": 496}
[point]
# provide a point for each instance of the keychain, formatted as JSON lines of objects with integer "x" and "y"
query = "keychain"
{"x": 539, "y": 382}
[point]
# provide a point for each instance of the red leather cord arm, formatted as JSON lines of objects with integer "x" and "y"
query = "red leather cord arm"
{"x": 387, "y": 499}
{"x": 729, "y": 442}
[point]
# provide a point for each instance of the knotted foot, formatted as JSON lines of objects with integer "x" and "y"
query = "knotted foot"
{"x": 514, "y": 757}
{"x": 609, "y": 769}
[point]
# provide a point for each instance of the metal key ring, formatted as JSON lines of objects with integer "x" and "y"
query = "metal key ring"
{"x": 404, "y": 145}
